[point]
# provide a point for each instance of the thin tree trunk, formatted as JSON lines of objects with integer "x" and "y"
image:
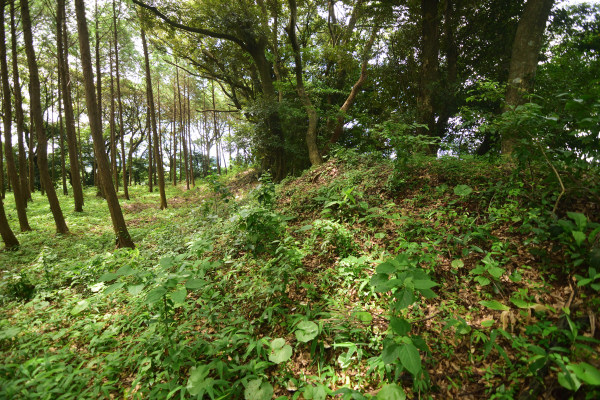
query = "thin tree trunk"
{"x": 63, "y": 69}
{"x": 183, "y": 141}
{"x": 2, "y": 188}
{"x": 35, "y": 104}
{"x": 311, "y": 112}
{"x": 174, "y": 133}
{"x": 120, "y": 104}
{"x": 113, "y": 128}
{"x": 31, "y": 166}
{"x": 19, "y": 109}
{"x": 157, "y": 156}
{"x": 119, "y": 226}
{"x": 11, "y": 167}
{"x": 98, "y": 91}
{"x": 63, "y": 169}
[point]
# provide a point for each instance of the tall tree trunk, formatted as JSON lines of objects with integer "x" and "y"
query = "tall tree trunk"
{"x": 150, "y": 153}
{"x": 119, "y": 102}
{"x": 182, "y": 132}
{"x": 429, "y": 68}
{"x": 36, "y": 108}
{"x": 2, "y": 188}
{"x": 119, "y": 226}
{"x": 98, "y": 91}
{"x": 11, "y": 167}
{"x": 31, "y": 165}
{"x": 215, "y": 130}
{"x": 524, "y": 59}
{"x": 311, "y": 112}
{"x": 63, "y": 70}
{"x": 61, "y": 129}
{"x": 189, "y": 120}
{"x": 113, "y": 128}
{"x": 157, "y": 155}
{"x": 174, "y": 133}
{"x": 18, "y": 108}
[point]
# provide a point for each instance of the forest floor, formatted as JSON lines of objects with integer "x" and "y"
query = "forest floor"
{"x": 359, "y": 279}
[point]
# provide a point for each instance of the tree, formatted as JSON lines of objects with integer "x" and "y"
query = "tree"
{"x": 11, "y": 168}
{"x": 18, "y": 106}
{"x": 119, "y": 102}
{"x": 119, "y": 226}
{"x": 36, "y": 111}
{"x": 157, "y": 155}
{"x": 524, "y": 59}
{"x": 65, "y": 80}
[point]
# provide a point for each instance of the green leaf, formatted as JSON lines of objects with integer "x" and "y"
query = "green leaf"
{"x": 134, "y": 290}
{"x": 167, "y": 262}
{"x": 386, "y": 268}
{"x": 155, "y": 295}
{"x": 410, "y": 358}
{"x": 9, "y": 332}
{"x": 195, "y": 283}
{"x": 487, "y": 323}
{"x": 579, "y": 237}
{"x": 391, "y": 392}
{"x": 179, "y": 296}
{"x": 258, "y": 390}
{"x": 108, "y": 277}
{"x": 424, "y": 284}
{"x": 125, "y": 270}
{"x": 521, "y": 303}
{"x": 579, "y": 218}
{"x": 198, "y": 383}
{"x": 306, "y": 331}
{"x": 400, "y": 326}
{"x": 586, "y": 372}
{"x": 462, "y": 190}
{"x": 80, "y": 306}
{"x": 364, "y": 317}
{"x": 113, "y": 288}
{"x": 280, "y": 352}
{"x": 494, "y": 305}
{"x": 568, "y": 380}
{"x": 390, "y": 353}
{"x": 315, "y": 392}
{"x": 457, "y": 264}
{"x": 405, "y": 298}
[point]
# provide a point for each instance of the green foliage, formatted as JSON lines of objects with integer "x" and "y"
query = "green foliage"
{"x": 330, "y": 236}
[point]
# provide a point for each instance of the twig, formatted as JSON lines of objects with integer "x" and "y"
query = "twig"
{"x": 562, "y": 186}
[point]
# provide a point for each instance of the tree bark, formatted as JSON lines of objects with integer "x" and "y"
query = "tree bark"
{"x": 8, "y": 237}
{"x": 119, "y": 226}
{"x": 311, "y": 132}
{"x": 11, "y": 167}
{"x": 36, "y": 109}
{"x": 429, "y": 68}
{"x": 61, "y": 129}
{"x": 119, "y": 103}
{"x": 19, "y": 108}
{"x": 113, "y": 128}
{"x": 63, "y": 70}
{"x": 157, "y": 156}
{"x": 524, "y": 59}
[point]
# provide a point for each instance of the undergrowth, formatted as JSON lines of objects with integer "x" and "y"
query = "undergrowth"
{"x": 363, "y": 278}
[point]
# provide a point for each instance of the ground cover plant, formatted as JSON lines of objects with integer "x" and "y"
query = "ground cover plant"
{"x": 348, "y": 281}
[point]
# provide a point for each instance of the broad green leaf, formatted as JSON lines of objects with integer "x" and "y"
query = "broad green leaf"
{"x": 482, "y": 280}
{"x": 521, "y": 303}
{"x": 195, "y": 283}
{"x": 424, "y": 284}
{"x": 198, "y": 383}
{"x": 134, "y": 290}
{"x": 405, "y": 298}
{"x": 306, "y": 331}
{"x": 178, "y": 296}
{"x": 280, "y": 352}
{"x": 97, "y": 287}
{"x": 364, "y": 317}
{"x": 80, "y": 306}
{"x": 400, "y": 326}
{"x": 579, "y": 237}
{"x": 579, "y": 218}
{"x": 155, "y": 295}
{"x": 391, "y": 352}
{"x": 496, "y": 272}
{"x": 586, "y": 372}
{"x": 167, "y": 262}
{"x": 114, "y": 287}
{"x": 487, "y": 323}
{"x": 391, "y": 391}
{"x": 494, "y": 305}
{"x": 462, "y": 190}
{"x": 258, "y": 390}
{"x": 386, "y": 268}
{"x": 410, "y": 358}
{"x": 569, "y": 380}
{"x": 108, "y": 277}
{"x": 315, "y": 392}
{"x": 125, "y": 270}
{"x": 457, "y": 264}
